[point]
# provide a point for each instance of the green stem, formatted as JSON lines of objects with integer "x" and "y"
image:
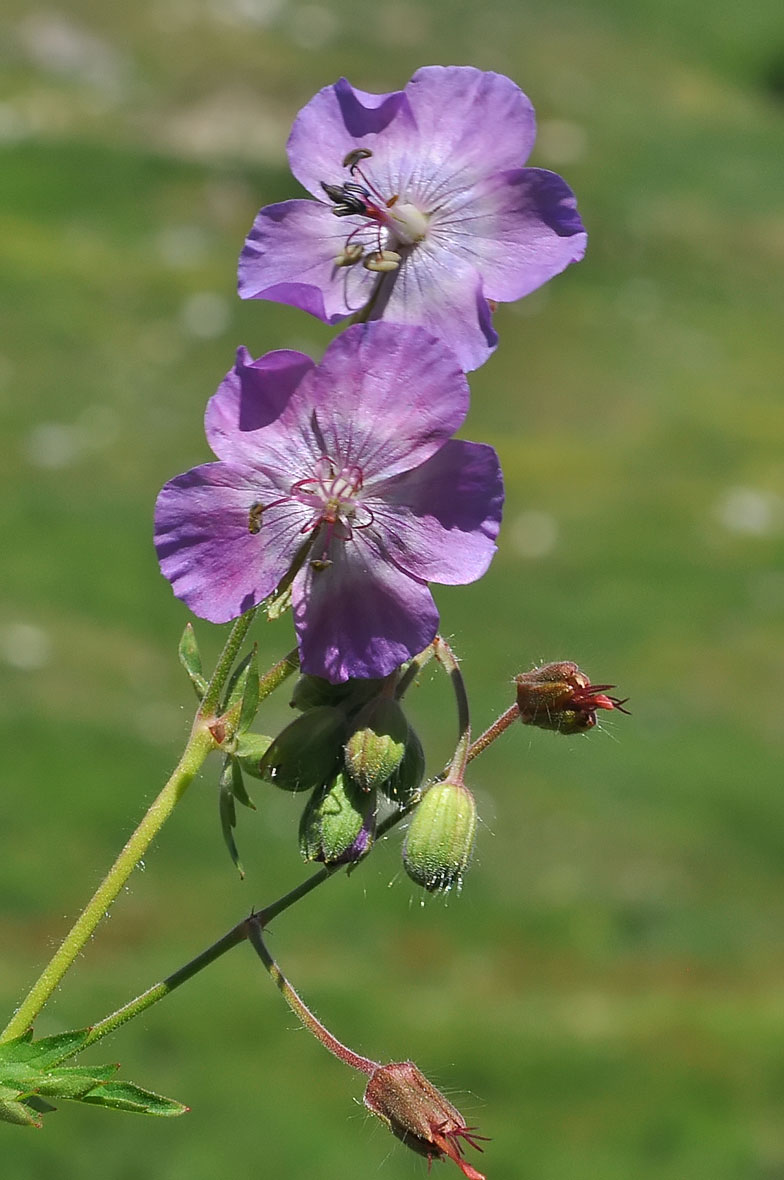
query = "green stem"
{"x": 200, "y": 743}
{"x": 278, "y": 673}
{"x": 448, "y": 661}
{"x": 153, "y": 994}
{"x": 234, "y": 937}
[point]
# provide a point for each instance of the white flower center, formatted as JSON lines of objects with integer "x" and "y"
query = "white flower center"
{"x": 407, "y": 223}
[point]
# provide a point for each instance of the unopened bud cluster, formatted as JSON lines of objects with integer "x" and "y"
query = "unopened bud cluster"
{"x": 354, "y": 750}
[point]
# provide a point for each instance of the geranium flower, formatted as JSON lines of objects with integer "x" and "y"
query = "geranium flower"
{"x": 342, "y": 475}
{"x": 422, "y": 209}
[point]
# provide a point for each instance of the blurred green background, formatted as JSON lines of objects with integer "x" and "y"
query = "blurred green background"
{"x": 606, "y": 998}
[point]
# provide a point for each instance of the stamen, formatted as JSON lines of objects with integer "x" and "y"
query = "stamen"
{"x": 354, "y": 156}
{"x": 351, "y": 253}
{"x": 382, "y": 260}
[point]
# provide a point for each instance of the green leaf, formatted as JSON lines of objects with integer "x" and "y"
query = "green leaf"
{"x": 190, "y": 659}
{"x": 249, "y": 750}
{"x": 17, "y": 1112}
{"x": 238, "y": 783}
{"x": 29, "y": 1070}
{"x": 74, "y": 1081}
{"x": 250, "y": 695}
{"x": 236, "y": 687}
{"x": 228, "y": 812}
{"x": 45, "y": 1053}
{"x": 127, "y": 1096}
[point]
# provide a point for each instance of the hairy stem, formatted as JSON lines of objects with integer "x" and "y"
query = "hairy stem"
{"x": 493, "y": 731}
{"x": 301, "y": 1010}
{"x": 199, "y": 745}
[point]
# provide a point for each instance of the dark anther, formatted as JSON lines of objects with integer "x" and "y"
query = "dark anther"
{"x": 348, "y": 199}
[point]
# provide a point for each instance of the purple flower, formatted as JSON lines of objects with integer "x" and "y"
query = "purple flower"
{"x": 346, "y": 468}
{"x": 422, "y": 208}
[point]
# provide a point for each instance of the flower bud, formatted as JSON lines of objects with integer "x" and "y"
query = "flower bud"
{"x": 306, "y": 753}
{"x": 407, "y": 779}
{"x": 419, "y": 1114}
{"x": 561, "y": 697}
{"x": 338, "y": 824}
{"x": 250, "y": 749}
{"x": 375, "y": 749}
{"x": 440, "y": 838}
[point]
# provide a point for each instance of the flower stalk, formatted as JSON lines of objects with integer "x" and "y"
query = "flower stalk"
{"x": 200, "y": 743}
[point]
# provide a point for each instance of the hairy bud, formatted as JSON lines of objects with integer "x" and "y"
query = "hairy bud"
{"x": 401, "y": 786}
{"x": 338, "y": 824}
{"x": 375, "y": 749}
{"x": 420, "y": 1115}
{"x": 440, "y": 838}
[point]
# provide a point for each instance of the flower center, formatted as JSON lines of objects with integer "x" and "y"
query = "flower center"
{"x": 336, "y": 512}
{"x": 397, "y": 223}
{"x": 331, "y": 493}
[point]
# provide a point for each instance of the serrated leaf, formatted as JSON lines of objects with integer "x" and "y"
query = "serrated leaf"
{"x": 250, "y": 694}
{"x": 228, "y": 813}
{"x": 188, "y": 651}
{"x": 128, "y": 1096}
{"x": 45, "y": 1053}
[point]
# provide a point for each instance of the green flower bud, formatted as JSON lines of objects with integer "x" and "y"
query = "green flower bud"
{"x": 376, "y": 747}
{"x": 338, "y": 824}
{"x": 440, "y": 838}
{"x": 407, "y": 779}
{"x": 306, "y": 753}
{"x": 250, "y": 749}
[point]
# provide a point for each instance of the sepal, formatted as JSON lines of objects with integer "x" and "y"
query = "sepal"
{"x": 306, "y": 753}
{"x": 190, "y": 658}
{"x": 338, "y": 824}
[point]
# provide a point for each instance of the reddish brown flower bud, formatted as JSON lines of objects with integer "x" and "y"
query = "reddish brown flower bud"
{"x": 561, "y": 697}
{"x": 420, "y": 1115}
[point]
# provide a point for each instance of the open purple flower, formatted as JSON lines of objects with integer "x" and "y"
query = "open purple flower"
{"x": 344, "y": 472}
{"x": 422, "y": 209}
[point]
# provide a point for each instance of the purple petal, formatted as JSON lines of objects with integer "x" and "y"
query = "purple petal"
{"x": 361, "y": 616}
{"x": 440, "y": 521}
{"x": 251, "y": 395}
{"x": 469, "y": 122}
{"x": 385, "y": 397}
{"x": 289, "y": 257}
{"x": 443, "y": 292}
{"x": 337, "y": 120}
{"x": 517, "y": 228}
{"x": 205, "y": 548}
